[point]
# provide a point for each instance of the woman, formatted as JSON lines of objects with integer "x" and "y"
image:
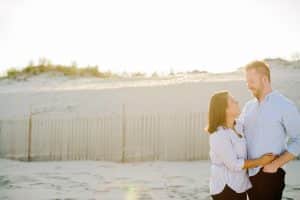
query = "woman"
{"x": 229, "y": 179}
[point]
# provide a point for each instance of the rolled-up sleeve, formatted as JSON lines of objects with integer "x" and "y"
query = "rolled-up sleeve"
{"x": 220, "y": 144}
{"x": 291, "y": 123}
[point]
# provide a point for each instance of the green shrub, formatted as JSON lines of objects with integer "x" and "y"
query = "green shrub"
{"x": 12, "y": 73}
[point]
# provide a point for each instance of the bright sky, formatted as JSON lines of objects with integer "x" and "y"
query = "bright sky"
{"x": 140, "y": 35}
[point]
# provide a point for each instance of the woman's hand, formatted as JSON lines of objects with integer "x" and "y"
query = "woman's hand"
{"x": 261, "y": 161}
{"x": 266, "y": 159}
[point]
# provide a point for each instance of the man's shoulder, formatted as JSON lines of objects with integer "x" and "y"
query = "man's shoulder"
{"x": 281, "y": 100}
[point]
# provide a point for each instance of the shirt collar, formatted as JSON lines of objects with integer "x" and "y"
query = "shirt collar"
{"x": 268, "y": 96}
{"x": 221, "y": 128}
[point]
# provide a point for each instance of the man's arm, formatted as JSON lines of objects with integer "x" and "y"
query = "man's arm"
{"x": 291, "y": 123}
{"x": 280, "y": 161}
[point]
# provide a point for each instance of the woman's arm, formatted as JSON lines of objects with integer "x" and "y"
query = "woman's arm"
{"x": 221, "y": 145}
{"x": 261, "y": 161}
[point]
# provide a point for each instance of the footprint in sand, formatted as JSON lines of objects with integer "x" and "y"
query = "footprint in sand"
{"x": 4, "y": 181}
{"x": 145, "y": 196}
{"x": 122, "y": 178}
{"x": 105, "y": 166}
{"x": 296, "y": 188}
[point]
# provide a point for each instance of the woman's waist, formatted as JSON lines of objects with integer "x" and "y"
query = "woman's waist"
{"x": 221, "y": 167}
{"x": 227, "y": 176}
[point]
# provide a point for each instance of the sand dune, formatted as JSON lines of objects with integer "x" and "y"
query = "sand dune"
{"x": 88, "y": 96}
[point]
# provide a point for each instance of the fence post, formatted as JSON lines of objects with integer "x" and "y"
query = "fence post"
{"x": 29, "y": 137}
{"x": 1, "y": 149}
{"x": 123, "y": 133}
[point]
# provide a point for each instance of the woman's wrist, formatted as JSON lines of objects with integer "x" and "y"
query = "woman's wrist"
{"x": 258, "y": 162}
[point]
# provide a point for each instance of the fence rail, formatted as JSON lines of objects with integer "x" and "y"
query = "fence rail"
{"x": 112, "y": 137}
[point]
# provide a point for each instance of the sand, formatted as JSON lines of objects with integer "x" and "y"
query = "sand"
{"x": 116, "y": 181}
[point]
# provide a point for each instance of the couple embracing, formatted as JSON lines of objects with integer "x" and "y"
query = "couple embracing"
{"x": 248, "y": 149}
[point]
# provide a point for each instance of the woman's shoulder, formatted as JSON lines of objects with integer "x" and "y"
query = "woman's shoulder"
{"x": 219, "y": 138}
{"x": 220, "y": 133}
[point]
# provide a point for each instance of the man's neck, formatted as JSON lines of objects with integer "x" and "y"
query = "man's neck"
{"x": 264, "y": 94}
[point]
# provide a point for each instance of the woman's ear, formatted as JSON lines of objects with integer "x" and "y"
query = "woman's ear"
{"x": 265, "y": 80}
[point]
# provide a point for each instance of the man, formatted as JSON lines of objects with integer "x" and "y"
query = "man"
{"x": 268, "y": 120}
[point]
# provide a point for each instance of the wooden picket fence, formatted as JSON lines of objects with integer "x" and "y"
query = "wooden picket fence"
{"x": 121, "y": 137}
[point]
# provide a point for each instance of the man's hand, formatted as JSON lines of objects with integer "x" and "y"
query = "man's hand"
{"x": 270, "y": 168}
{"x": 278, "y": 162}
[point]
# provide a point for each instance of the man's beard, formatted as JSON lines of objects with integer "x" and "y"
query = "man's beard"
{"x": 256, "y": 93}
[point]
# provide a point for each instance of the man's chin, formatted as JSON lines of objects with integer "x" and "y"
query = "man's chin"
{"x": 254, "y": 93}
